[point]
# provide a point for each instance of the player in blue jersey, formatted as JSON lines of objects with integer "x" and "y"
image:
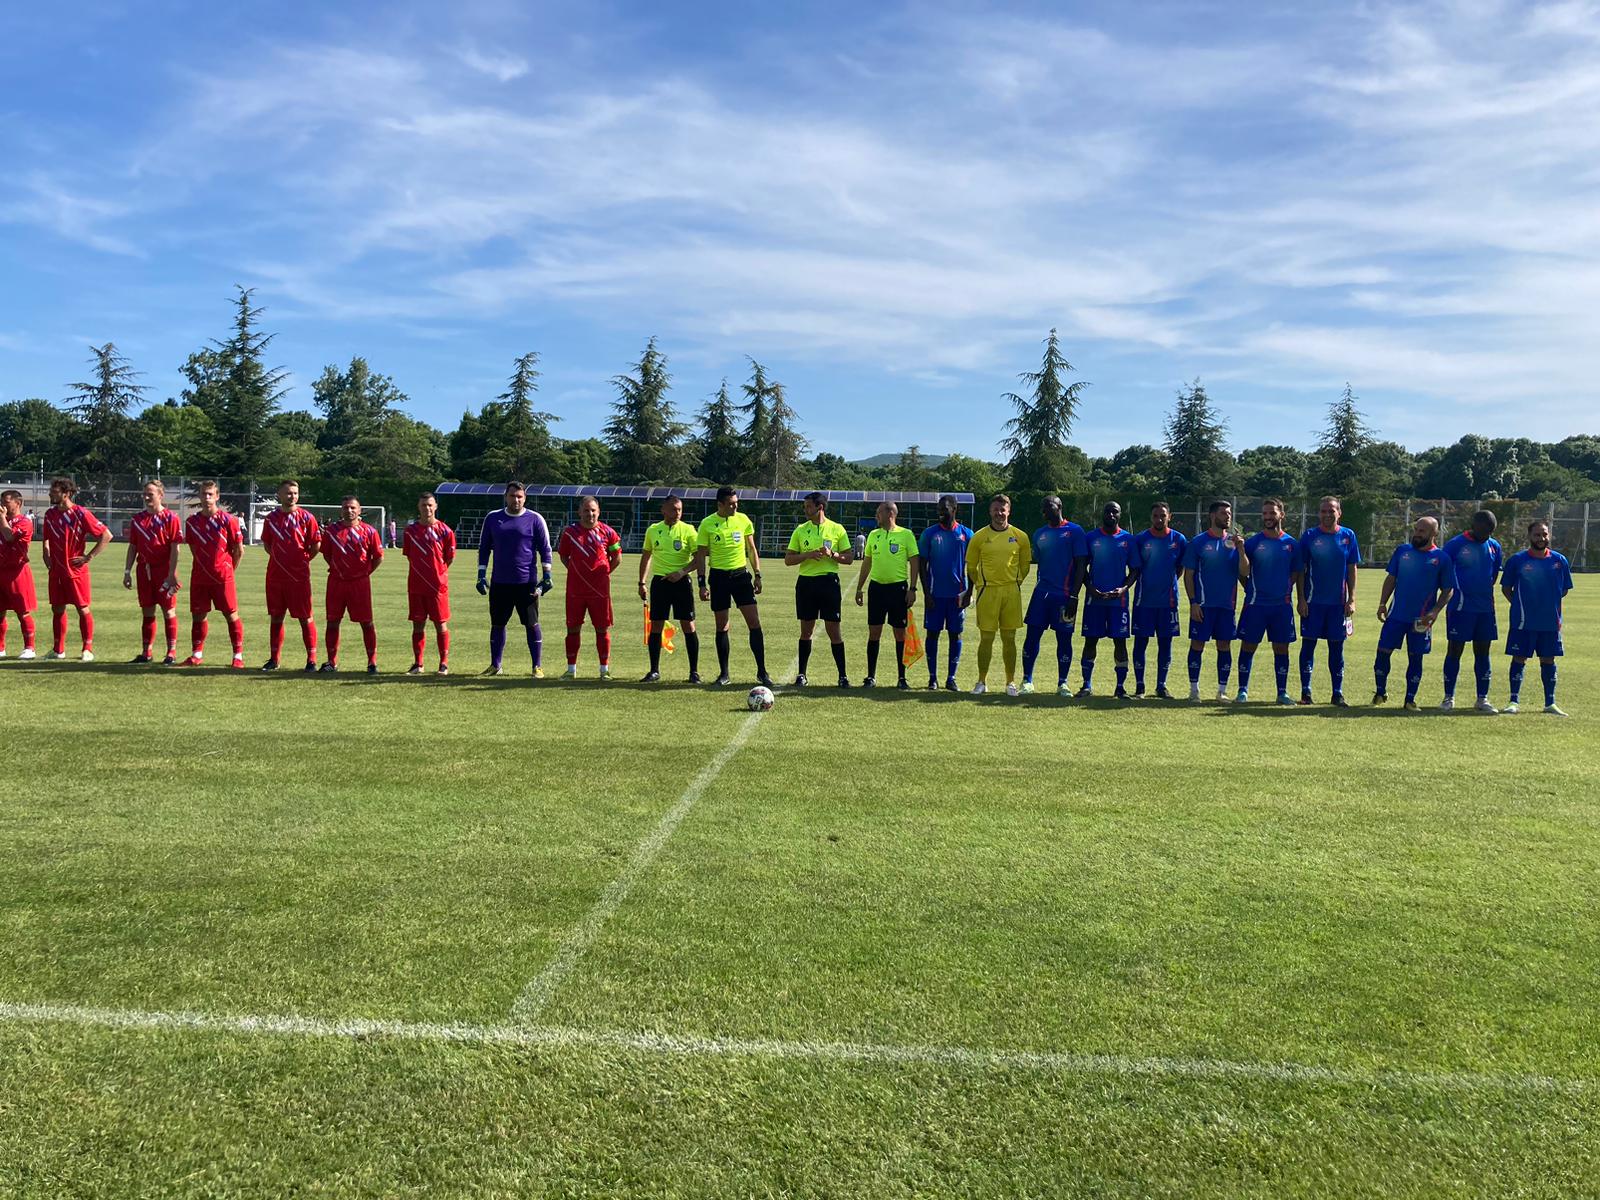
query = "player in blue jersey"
{"x": 1274, "y": 558}
{"x": 1535, "y": 581}
{"x": 1470, "y": 617}
{"x": 1155, "y": 596}
{"x": 1212, "y": 566}
{"x": 942, "y": 549}
{"x": 1112, "y": 571}
{"x": 514, "y": 537}
{"x": 1060, "y": 548}
{"x": 1329, "y": 556}
{"x": 1420, "y": 582}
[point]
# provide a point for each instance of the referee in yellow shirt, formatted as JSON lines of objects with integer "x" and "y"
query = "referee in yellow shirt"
{"x": 998, "y": 559}
{"x": 819, "y": 547}
{"x": 888, "y": 580}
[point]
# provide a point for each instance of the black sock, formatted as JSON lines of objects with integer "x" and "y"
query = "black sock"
{"x": 900, "y": 656}
{"x": 655, "y": 650}
{"x": 758, "y": 647}
{"x": 722, "y": 652}
{"x": 805, "y": 654}
{"x": 838, "y": 657}
{"x": 691, "y": 642}
{"x": 872, "y": 658}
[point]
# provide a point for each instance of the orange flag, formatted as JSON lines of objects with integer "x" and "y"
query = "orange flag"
{"x": 667, "y": 630}
{"x": 913, "y": 637}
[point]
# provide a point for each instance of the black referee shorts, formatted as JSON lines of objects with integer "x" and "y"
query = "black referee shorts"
{"x": 817, "y": 598}
{"x": 671, "y": 600}
{"x": 731, "y": 589}
{"x": 508, "y": 598}
{"x": 886, "y": 604}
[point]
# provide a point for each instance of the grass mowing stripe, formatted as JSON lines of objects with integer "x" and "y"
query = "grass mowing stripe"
{"x": 672, "y": 1045}
{"x": 543, "y": 986}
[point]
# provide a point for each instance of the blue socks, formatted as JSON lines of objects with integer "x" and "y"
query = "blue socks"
{"x": 930, "y": 647}
{"x": 1336, "y": 665}
{"x": 1452, "y": 671}
{"x": 1516, "y": 681}
{"x": 1163, "y": 660}
{"x": 1140, "y": 645}
{"x": 1280, "y": 670}
{"x": 1481, "y": 669}
{"x": 1547, "y": 673}
{"x": 1122, "y": 674}
{"x": 1247, "y": 659}
{"x": 1308, "y": 660}
{"x": 1087, "y": 666}
{"x": 1030, "y": 651}
{"x": 1380, "y": 671}
{"x": 1224, "y": 667}
{"x": 1194, "y": 667}
{"x": 1413, "y": 677}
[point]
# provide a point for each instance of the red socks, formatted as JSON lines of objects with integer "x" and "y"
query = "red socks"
{"x": 419, "y": 639}
{"x": 147, "y": 629}
{"x": 308, "y": 635}
{"x": 58, "y": 627}
{"x": 236, "y": 636}
{"x": 602, "y": 643}
{"x": 275, "y": 639}
{"x": 86, "y": 628}
{"x": 333, "y": 644}
{"x": 197, "y": 635}
{"x": 26, "y": 622}
{"x": 444, "y": 647}
{"x": 573, "y": 642}
{"x": 172, "y": 631}
{"x": 369, "y": 639}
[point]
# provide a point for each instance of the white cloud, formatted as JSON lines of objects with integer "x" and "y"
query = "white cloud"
{"x": 499, "y": 66}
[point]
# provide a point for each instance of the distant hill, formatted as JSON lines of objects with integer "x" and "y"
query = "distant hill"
{"x": 888, "y": 460}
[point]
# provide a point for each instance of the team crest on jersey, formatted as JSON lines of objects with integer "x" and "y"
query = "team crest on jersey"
{"x": 894, "y": 547}
{"x": 677, "y": 544}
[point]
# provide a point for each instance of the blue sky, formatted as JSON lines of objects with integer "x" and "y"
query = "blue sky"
{"x": 887, "y": 205}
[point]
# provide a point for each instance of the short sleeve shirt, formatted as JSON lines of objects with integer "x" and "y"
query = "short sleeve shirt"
{"x": 811, "y": 536}
{"x": 891, "y": 552}
{"x": 671, "y": 547}
{"x": 725, "y": 539}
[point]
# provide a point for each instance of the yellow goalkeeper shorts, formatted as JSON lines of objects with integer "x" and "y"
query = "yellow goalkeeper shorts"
{"x": 1000, "y": 607}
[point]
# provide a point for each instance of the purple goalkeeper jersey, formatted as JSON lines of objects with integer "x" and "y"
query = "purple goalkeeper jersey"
{"x": 513, "y": 542}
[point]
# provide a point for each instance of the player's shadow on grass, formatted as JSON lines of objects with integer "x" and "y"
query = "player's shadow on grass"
{"x": 1354, "y": 711}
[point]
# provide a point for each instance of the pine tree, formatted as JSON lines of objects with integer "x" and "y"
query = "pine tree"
{"x": 721, "y": 448}
{"x": 645, "y": 437}
{"x": 357, "y": 405}
{"x": 1035, "y": 445}
{"x": 774, "y": 445}
{"x": 1337, "y": 466}
{"x": 911, "y": 472}
{"x": 101, "y": 404}
{"x": 231, "y": 384}
{"x": 1198, "y": 464}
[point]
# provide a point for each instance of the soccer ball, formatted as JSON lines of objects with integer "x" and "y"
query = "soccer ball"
{"x": 760, "y": 699}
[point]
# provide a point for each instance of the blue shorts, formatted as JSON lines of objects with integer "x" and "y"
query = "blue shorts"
{"x": 1323, "y": 621}
{"x": 1266, "y": 623}
{"x": 1534, "y": 643}
{"x": 1471, "y": 627}
{"x": 1150, "y": 621}
{"x": 1215, "y": 623}
{"x": 1397, "y": 631}
{"x": 944, "y": 613}
{"x": 1047, "y": 609}
{"x": 1105, "y": 620}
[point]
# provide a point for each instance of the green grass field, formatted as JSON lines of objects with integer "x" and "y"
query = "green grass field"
{"x": 271, "y": 935}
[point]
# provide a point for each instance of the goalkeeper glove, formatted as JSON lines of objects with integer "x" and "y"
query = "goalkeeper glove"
{"x": 546, "y": 583}
{"x": 483, "y": 584}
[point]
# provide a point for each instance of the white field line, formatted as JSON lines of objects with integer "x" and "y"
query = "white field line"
{"x": 1067, "y": 1064}
{"x": 537, "y": 995}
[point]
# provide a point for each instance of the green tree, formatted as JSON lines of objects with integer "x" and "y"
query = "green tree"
{"x": 772, "y": 439}
{"x": 32, "y": 431}
{"x": 911, "y": 472}
{"x": 231, "y": 382}
{"x": 1035, "y": 445}
{"x": 100, "y": 405}
{"x": 180, "y": 437}
{"x": 722, "y": 450}
{"x": 1580, "y": 453}
{"x": 832, "y": 472}
{"x": 1273, "y": 471}
{"x": 963, "y": 473}
{"x": 646, "y": 439}
{"x": 1141, "y": 468}
{"x": 588, "y": 461}
{"x": 509, "y": 439}
{"x": 1336, "y": 465}
{"x": 1198, "y": 463}
{"x": 356, "y": 404}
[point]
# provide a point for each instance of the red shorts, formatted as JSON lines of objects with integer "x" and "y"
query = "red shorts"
{"x": 352, "y": 597}
{"x": 428, "y": 604}
{"x": 288, "y": 595}
{"x": 587, "y": 604}
{"x": 206, "y": 593}
{"x": 17, "y": 594}
{"x": 69, "y": 589}
{"x": 150, "y": 581}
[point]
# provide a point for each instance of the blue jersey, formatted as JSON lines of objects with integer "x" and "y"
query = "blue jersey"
{"x": 945, "y": 553}
{"x": 1477, "y": 567}
{"x": 514, "y": 541}
{"x": 1111, "y": 557}
{"x": 1273, "y": 563}
{"x": 1215, "y": 564}
{"x": 1419, "y": 576}
{"x": 1325, "y": 558}
{"x": 1537, "y": 583}
{"x": 1160, "y": 562}
{"x": 1055, "y": 549}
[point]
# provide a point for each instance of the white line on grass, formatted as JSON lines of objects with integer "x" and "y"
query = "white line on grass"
{"x": 537, "y": 995}
{"x": 1158, "y": 1068}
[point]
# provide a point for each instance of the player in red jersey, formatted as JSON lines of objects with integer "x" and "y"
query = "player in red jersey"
{"x": 430, "y": 545}
{"x": 67, "y": 529}
{"x": 154, "y": 536}
{"x": 291, "y": 537}
{"x": 217, "y": 543}
{"x": 353, "y": 550}
{"x": 590, "y": 550}
{"x": 16, "y": 576}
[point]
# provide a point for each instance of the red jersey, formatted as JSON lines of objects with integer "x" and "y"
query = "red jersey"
{"x": 66, "y": 532}
{"x": 14, "y": 554}
{"x": 153, "y": 536}
{"x": 212, "y": 540}
{"x": 586, "y": 554}
{"x": 291, "y": 540}
{"x": 352, "y": 551}
{"x": 431, "y": 549}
